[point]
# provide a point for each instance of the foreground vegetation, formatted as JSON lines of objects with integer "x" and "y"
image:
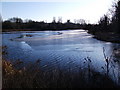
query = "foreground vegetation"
{"x": 34, "y": 77}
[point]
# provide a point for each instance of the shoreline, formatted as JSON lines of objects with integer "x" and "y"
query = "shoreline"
{"x": 13, "y": 30}
{"x": 107, "y": 37}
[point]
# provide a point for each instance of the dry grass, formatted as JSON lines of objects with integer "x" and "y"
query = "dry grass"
{"x": 36, "y": 78}
{"x": 108, "y": 37}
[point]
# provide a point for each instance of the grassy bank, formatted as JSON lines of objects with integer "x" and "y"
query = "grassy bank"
{"x": 32, "y": 76}
{"x": 107, "y": 36}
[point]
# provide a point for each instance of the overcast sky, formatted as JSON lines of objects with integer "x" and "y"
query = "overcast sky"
{"x": 90, "y": 10}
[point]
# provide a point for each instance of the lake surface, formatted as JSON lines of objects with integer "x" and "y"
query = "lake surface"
{"x": 66, "y": 49}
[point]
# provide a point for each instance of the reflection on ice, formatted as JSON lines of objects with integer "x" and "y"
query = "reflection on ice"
{"x": 56, "y": 35}
{"x": 25, "y": 46}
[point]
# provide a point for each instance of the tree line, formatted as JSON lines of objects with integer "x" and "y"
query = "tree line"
{"x": 16, "y": 23}
{"x": 105, "y": 24}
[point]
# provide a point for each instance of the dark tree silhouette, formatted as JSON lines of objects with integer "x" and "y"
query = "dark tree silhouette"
{"x": 116, "y": 18}
{"x": 104, "y": 23}
{"x": 68, "y": 21}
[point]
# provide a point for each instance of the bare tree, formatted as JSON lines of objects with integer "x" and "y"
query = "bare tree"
{"x": 81, "y": 21}
{"x": 54, "y": 20}
{"x": 59, "y": 19}
{"x": 16, "y": 20}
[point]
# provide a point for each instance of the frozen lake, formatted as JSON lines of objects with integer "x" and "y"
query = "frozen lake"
{"x": 66, "y": 48}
